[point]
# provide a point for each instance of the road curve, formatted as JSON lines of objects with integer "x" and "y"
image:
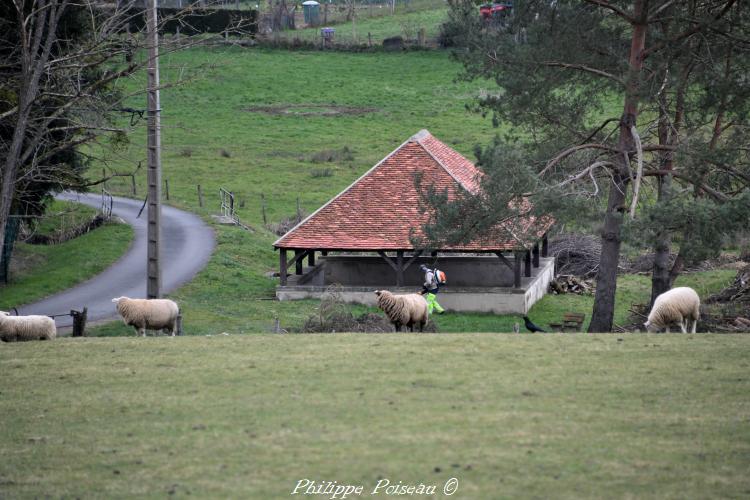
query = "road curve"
{"x": 187, "y": 244}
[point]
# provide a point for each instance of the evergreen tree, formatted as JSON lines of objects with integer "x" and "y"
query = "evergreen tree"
{"x": 560, "y": 70}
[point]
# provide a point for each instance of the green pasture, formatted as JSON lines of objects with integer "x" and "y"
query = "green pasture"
{"x": 257, "y": 122}
{"x": 247, "y": 416}
{"x": 379, "y": 27}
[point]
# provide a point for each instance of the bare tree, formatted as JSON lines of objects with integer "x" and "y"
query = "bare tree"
{"x": 60, "y": 62}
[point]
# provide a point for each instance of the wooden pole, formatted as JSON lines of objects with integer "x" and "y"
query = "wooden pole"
{"x": 298, "y": 263}
{"x": 132, "y": 182}
{"x": 79, "y": 322}
{"x": 535, "y": 256}
{"x": 263, "y": 208}
{"x": 400, "y": 268}
{"x": 545, "y": 246}
{"x": 527, "y": 264}
{"x": 282, "y": 266}
{"x": 200, "y": 196}
{"x": 166, "y": 188}
{"x": 311, "y": 258}
{"x": 153, "y": 267}
{"x": 517, "y": 270}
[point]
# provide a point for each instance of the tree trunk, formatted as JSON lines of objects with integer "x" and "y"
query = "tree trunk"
{"x": 660, "y": 281}
{"x": 606, "y": 279}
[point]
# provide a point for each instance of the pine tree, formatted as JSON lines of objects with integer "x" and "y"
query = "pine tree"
{"x": 560, "y": 69}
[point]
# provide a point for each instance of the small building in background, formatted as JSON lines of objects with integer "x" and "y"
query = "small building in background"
{"x": 364, "y": 238}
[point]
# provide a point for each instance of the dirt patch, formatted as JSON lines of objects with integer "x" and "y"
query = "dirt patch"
{"x": 311, "y": 110}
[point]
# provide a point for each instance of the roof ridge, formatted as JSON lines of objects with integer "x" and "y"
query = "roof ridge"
{"x": 440, "y": 162}
{"x": 303, "y": 221}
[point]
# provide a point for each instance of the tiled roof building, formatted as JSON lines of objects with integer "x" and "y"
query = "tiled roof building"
{"x": 380, "y": 210}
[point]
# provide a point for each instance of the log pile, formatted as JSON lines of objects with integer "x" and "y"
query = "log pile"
{"x": 568, "y": 283}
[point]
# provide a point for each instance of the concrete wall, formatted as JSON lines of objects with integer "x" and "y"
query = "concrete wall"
{"x": 454, "y": 297}
{"x": 355, "y": 270}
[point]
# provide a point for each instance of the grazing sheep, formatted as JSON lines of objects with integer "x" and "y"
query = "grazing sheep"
{"x": 152, "y": 314}
{"x": 405, "y": 310}
{"x": 21, "y": 328}
{"x": 679, "y": 305}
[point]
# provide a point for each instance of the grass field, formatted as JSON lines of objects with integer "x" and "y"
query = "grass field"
{"x": 509, "y": 416}
{"x": 41, "y": 270}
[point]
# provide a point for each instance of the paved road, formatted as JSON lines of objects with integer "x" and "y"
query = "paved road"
{"x": 187, "y": 243}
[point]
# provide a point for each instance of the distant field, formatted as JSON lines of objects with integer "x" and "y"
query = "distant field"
{"x": 258, "y": 122}
{"x": 509, "y": 416}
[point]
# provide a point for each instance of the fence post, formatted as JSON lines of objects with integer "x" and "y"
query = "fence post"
{"x": 79, "y": 322}
{"x": 166, "y": 188}
{"x": 263, "y": 208}
{"x": 200, "y": 196}
{"x": 178, "y": 325}
{"x": 132, "y": 182}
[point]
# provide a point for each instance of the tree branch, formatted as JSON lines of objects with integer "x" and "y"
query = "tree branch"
{"x": 601, "y": 3}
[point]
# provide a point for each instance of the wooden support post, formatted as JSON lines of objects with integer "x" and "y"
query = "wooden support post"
{"x": 282, "y": 266}
{"x": 311, "y": 258}
{"x": 298, "y": 262}
{"x": 324, "y": 253}
{"x": 535, "y": 255}
{"x": 200, "y": 196}
{"x": 166, "y": 188}
{"x": 527, "y": 264}
{"x": 400, "y": 268}
{"x": 178, "y": 325}
{"x": 79, "y": 322}
{"x": 132, "y": 182}
{"x": 517, "y": 270}
{"x": 545, "y": 246}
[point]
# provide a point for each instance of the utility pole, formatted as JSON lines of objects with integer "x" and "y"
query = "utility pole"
{"x": 153, "y": 263}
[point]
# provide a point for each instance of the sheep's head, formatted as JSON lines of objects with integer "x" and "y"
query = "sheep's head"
{"x": 118, "y": 299}
{"x": 650, "y": 327}
{"x": 4, "y": 313}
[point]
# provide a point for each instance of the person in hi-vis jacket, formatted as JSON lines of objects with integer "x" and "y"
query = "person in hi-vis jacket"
{"x": 430, "y": 290}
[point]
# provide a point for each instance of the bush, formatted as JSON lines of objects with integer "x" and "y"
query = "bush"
{"x": 321, "y": 172}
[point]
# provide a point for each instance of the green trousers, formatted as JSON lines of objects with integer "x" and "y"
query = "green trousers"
{"x": 432, "y": 303}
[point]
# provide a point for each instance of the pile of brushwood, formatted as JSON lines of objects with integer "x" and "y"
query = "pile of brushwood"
{"x": 729, "y": 310}
{"x": 334, "y": 315}
{"x": 576, "y": 254}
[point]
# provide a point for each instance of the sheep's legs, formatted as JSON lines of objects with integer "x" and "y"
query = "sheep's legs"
{"x": 682, "y": 326}
{"x": 695, "y": 325}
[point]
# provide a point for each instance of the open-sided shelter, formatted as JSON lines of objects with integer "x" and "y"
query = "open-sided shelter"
{"x": 364, "y": 236}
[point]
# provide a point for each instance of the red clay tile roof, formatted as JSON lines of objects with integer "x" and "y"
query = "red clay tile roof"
{"x": 380, "y": 210}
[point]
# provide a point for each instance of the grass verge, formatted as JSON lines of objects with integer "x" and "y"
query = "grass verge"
{"x": 509, "y": 416}
{"x": 38, "y": 271}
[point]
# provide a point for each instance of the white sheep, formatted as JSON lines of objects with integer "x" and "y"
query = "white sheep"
{"x": 405, "y": 310}
{"x": 152, "y": 314}
{"x": 20, "y": 328}
{"x": 678, "y": 305}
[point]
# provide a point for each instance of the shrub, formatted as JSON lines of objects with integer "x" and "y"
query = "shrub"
{"x": 321, "y": 172}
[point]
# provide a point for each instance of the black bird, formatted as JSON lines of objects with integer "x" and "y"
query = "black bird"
{"x": 531, "y": 326}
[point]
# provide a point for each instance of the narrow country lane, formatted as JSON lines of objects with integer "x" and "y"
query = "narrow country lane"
{"x": 187, "y": 244}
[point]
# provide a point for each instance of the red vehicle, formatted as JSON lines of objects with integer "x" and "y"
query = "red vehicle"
{"x": 496, "y": 11}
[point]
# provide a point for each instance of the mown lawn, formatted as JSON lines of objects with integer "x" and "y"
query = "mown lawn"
{"x": 247, "y": 416}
